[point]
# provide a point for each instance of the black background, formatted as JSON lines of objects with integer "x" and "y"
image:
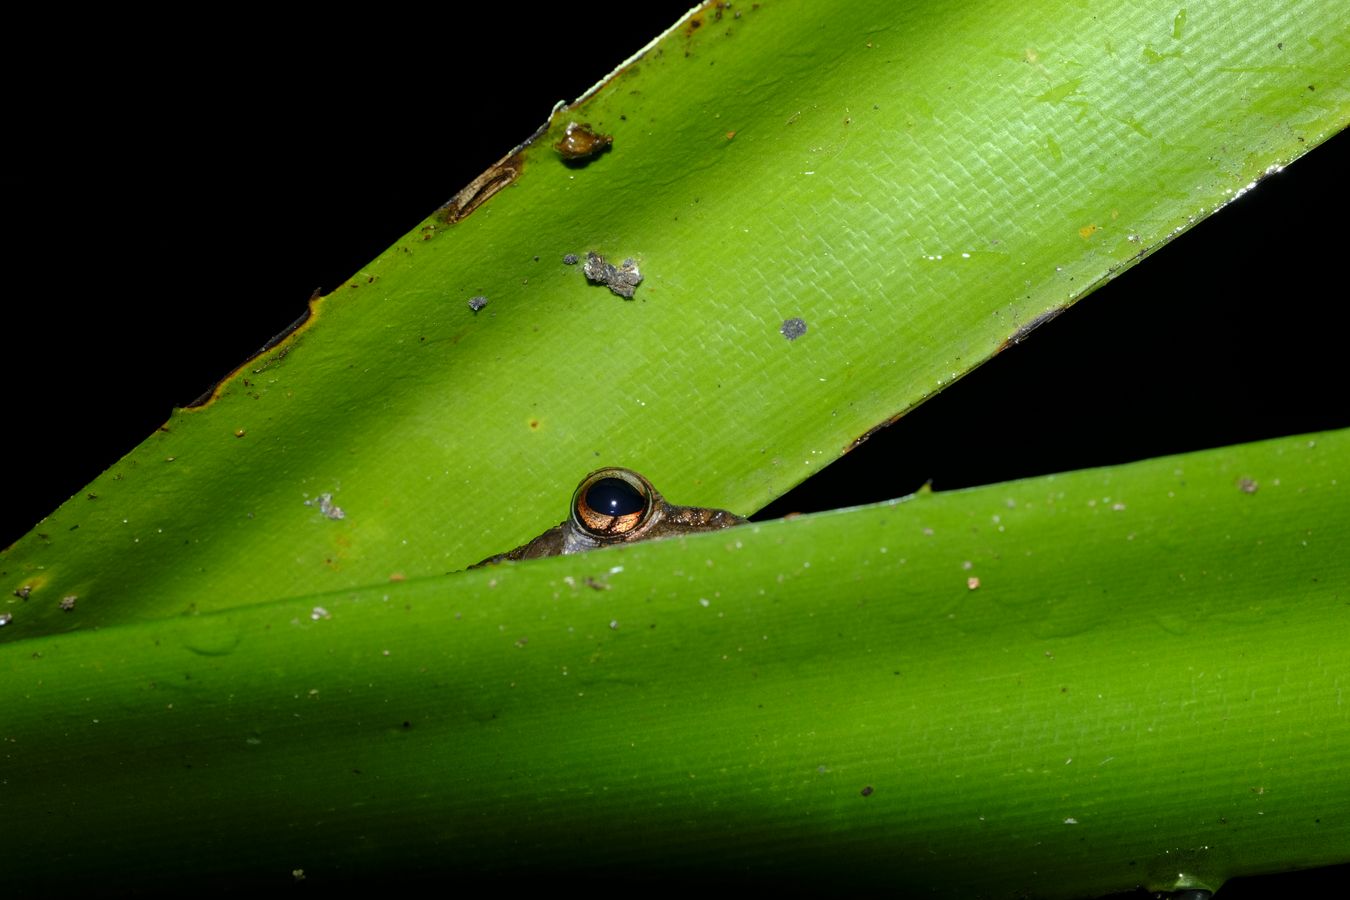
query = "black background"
{"x": 169, "y": 206}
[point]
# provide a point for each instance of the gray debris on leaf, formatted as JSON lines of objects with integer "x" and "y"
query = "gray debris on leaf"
{"x": 793, "y": 328}
{"x": 477, "y": 303}
{"x": 326, "y": 507}
{"x": 622, "y": 280}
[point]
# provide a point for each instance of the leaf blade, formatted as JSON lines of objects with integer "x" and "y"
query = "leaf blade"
{"x": 1152, "y": 651}
{"x": 919, "y": 245}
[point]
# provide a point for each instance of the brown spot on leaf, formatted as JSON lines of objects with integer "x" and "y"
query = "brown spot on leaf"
{"x": 481, "y": 189}
{"x": 213, "y": 393}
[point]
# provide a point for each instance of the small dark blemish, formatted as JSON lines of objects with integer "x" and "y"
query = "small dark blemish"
{"x": 91, "y": 495}
{"x": 571, "y": 259}
{"x": 862, "y": 438}
{"x": 534, "y": 424}
{"x": 477, "y": 303}
{"x": 407, "y": 724}
{"x": 867, "y": 791}
{"x": 1021, "y": 334}
{"x": 793, "y": 328}
{"x": 580, "y": 143}
{"x": 622, "y": 280}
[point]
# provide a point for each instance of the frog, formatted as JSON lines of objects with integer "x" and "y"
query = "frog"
{"x": 612, "y": 506}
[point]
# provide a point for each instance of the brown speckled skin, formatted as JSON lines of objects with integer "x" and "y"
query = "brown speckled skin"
{"x": 666, "y": 520}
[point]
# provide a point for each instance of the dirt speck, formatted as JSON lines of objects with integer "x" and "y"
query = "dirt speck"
{"x": 571, "y": 259}
{"x": 477, "y": 303}
{"x": 793, "y": 328}
{"x": 1248, "y": 485}
{"x": 68, "y": 602}
{"x": 867, "y": 791}
{"x": 24, "y": 591}
{"x": 622, "y": 280}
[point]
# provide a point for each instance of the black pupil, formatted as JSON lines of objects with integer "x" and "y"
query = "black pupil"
{"x": 614, "y": 497}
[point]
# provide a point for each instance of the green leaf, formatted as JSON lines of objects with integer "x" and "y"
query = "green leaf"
{"x": 1112, "y": 677}
{"x": 920, "y": 192}
{"x": 920, "y": 199}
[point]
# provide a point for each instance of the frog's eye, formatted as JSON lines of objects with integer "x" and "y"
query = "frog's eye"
{"x": 612, "y": 503}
